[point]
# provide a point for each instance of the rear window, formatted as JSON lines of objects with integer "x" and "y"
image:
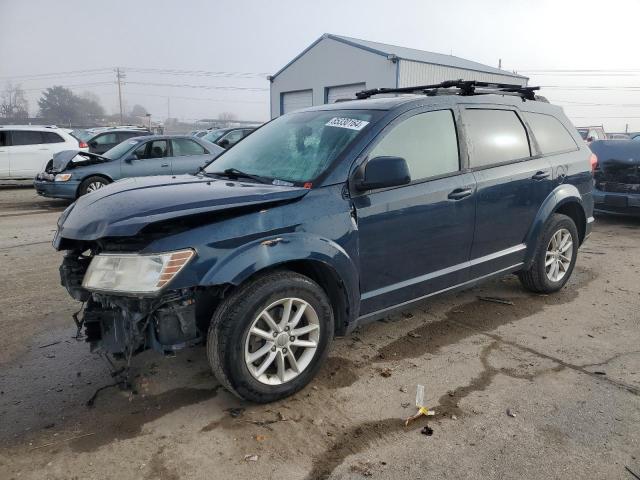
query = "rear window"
{"x": 26, "y": 137}
{"x": 50, "y": 137}
{"x": 551, "y": 135}
{"x": 495, "y": 136}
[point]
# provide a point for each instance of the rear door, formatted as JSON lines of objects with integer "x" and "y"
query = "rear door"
{"x": 512, "y": 184}
{"x": 150, "y": 158}
{"x": 414, "y": 240}
{"x": 4, "y": 154}
{"x": 188, "y": 155}
{"x": 29, "y": 153}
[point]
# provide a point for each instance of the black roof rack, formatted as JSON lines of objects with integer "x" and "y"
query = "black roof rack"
{"x": 459, "y": 87}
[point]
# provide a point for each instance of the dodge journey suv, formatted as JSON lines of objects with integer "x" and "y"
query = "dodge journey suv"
{"x": 325, "y": 219}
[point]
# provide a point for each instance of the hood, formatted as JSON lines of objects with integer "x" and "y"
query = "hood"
{"x": 125, "y": 207}
{"x": 64, "y": 160}
{"x": 616, "y": 154}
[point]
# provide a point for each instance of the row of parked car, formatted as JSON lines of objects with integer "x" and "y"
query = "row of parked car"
{"x": 591, "y": 134}
{"x": 69, "y": 163}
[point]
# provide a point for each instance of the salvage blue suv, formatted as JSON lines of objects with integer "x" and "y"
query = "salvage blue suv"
{"x": 325, "y": 219}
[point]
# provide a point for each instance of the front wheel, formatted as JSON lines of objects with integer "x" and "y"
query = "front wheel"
{"x": 267, "y": 340}
{"x": 92, "y": 184}
{"x": 554, "y": 258}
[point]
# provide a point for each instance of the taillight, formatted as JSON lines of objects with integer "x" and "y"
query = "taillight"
{"x": 83, "y": 145}
{"x": 593, "y": 160}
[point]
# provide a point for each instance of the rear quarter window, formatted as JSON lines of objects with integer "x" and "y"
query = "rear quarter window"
{"x": 550, "y": 133}
{"x": 51, "y": 137}
{"x": 495, "y": 136}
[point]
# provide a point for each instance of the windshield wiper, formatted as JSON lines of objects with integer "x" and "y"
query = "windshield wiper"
{"x": 235, "y": 173}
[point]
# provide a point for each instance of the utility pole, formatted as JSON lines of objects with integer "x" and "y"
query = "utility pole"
{"x": 119, "y": 77}
{"x": 500, "y": 63}
{"x": 168, "y": 107}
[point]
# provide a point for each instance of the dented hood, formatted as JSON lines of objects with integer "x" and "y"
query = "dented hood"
{"x": 616, "y": 154}
{"x": 124, "y": 208}
{"x": 64, "y": 160}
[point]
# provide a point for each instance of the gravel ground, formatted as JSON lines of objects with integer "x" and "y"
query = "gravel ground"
{"x": 545, "y": 388}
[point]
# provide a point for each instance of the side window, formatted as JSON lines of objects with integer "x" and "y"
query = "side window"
{"x": 51, "y": 137}
{"x": 26, "y": 137}
{"x": 4, "y": 139}
{"x": 427, "y": 141}
{"x": 106, "y": 139}
{"x": 495, "y": 136}
{"x": 551, "y": 135}
{"x": 154, "y": 149}
{"x": 184, "y": 147}
{"x": 122, "y": 136}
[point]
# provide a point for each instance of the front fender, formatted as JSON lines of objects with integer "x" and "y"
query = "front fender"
{"x": 561, "y": 195}
{"x": 259, "y": 255}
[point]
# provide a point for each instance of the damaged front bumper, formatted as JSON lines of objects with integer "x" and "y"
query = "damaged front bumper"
{"x": 124, "y": 325}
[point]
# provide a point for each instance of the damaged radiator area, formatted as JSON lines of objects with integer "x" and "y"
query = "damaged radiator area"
{"x": 124, "y": 325}
{"x": 618, "y": 168}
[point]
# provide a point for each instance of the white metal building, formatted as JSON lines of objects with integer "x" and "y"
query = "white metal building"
{"x": 335, "y": 67}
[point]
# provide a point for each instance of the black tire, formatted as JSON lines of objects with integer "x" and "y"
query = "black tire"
{"x": 535, "y": 278}
{"x": 231, "y": 323}
{"x": 86, "y": 185}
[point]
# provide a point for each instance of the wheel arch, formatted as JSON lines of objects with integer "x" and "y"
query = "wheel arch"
{"x": 324, "y": 261}
{"x": 565, "y": 199}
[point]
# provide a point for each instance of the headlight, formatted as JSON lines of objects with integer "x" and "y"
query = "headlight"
{"x": 63, "y": 177}
{"x": 132, "y": 273}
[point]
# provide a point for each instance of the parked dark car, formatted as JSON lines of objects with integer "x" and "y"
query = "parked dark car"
{"x": 227, "y": 137}
{"x": 325, "y": 219}
{"x": 101, "y": 140}
{"x": 71, "y": 174}
{"x": 617, "y": 177}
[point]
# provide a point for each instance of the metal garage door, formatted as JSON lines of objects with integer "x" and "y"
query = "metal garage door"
{"x": 292, "y": 101}
{"x": 343, "y": 91}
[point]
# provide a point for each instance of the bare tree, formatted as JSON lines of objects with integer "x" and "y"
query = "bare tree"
{"x": 13, "y": 104}
{"x": 227, "y": 116}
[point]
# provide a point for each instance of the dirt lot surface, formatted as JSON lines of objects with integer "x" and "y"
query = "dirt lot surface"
{"x": 546, "y": 387}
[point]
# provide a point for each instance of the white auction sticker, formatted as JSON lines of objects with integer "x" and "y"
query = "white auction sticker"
{"x": 350, "y": 123}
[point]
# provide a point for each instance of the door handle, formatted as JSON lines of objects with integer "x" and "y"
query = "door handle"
{"x": 43, "y": 149}
{"x": 164, "y": 165}
{"x": 460, "y": 193}
{"x": 540, "y": 175}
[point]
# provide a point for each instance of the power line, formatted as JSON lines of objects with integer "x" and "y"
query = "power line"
{"x": 205, "y": 87}
{"x": 60, "y": 74}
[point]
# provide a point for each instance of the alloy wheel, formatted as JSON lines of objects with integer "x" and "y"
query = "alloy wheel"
{"x": 282, "y": 341}
{"x": 559, "y": 255}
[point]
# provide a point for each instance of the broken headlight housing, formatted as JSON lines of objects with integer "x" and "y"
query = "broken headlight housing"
{"x": 133, "y": 273}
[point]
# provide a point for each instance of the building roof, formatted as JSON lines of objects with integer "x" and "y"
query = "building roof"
{"x": 410, "y": 54}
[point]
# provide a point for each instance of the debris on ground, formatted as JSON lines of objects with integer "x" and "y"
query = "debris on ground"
{"x": 422, "y": 410}
{"x": 511, "y": 413}
{"x": 405, "y": 404}
{"x": 414, "y": 335}
{"x": 427, "y": 430}
{"x": 251, "y": 458}
{"x": 385, "y": 372}
{"x": 496, "y": 300}
{"x": 260, "y": 438}
{"x": 362, "y": 468}
{"x": 600, "y": 372}
{"x": 403, "y": 389}
{"x": 235, "y": 412}
{"x": 632, "y": 472}
{"x": 50, "y": 344}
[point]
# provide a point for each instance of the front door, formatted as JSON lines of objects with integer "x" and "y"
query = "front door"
{"x": 29, "y": 153}
{"x": 415, "y": 240}
{"x": 188, "y": 156}
{"x": 150, "y": 158}
{"x": 511, "y": 183}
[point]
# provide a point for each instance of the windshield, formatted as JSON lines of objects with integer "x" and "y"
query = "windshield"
{"x": 297, "y": 147}
{"x": 120, "y": 149}
{"x": 82, "y": 135}
{"x": 214, "y": 135}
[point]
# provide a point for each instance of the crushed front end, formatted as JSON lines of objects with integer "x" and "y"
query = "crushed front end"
{"x": 617, "y": 177}
{"x": 123, "y": 324}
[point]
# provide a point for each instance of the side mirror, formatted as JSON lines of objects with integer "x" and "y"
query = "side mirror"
{"x": 131, "y": 157}
{"x": 383, "y": 172}
{"x": 224, "y": 143}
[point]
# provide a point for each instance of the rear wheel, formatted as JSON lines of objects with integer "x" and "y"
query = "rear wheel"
{"x": 267, "y": 340}
{"x": 554, "y": 258}
{"x": 92, "y": 184}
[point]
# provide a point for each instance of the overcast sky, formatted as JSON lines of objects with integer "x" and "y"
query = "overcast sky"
{"x": 258, "y": 37}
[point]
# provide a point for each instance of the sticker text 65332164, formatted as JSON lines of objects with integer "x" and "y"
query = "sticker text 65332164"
{"x": 350, "y": 123}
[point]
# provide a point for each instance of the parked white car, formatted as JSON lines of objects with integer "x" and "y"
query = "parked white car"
{"x": 26, "y": 149}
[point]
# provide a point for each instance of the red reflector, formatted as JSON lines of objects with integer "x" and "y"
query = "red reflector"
{"x": 83, "y": 145}
{"x": 593, "y": 160}
{"x": 308, "y": 185}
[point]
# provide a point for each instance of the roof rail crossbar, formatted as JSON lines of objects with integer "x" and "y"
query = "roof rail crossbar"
{"x": 462, "y": 87}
